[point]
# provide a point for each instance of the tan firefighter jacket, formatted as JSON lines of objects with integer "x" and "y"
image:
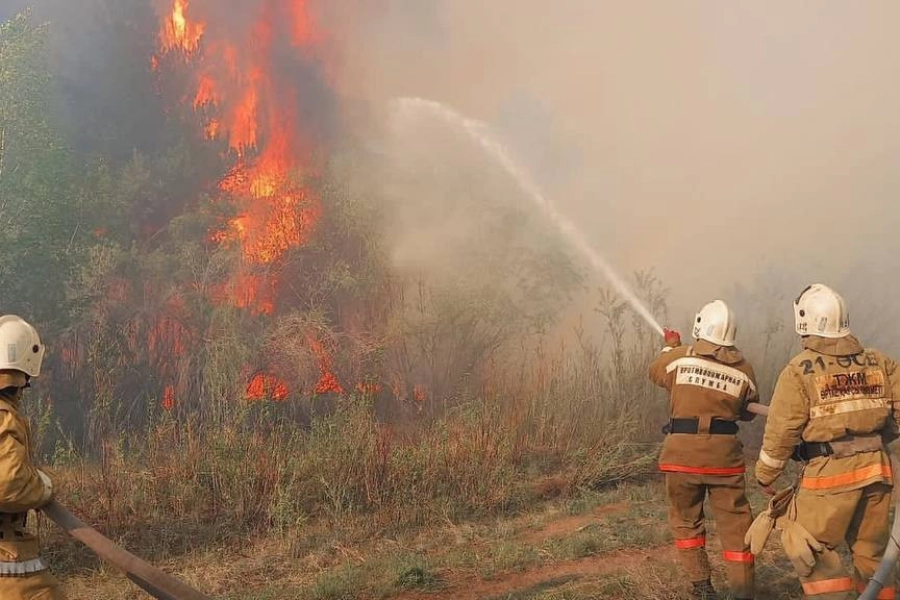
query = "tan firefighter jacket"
{"x": 21, "y": 488}
{"x": 838, "y": 392}
{"x": 705, "y": 382}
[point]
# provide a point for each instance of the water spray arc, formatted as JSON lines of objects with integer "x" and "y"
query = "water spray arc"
{"x": 479, "y": 132}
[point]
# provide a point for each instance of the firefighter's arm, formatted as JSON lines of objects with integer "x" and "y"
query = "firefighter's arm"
{"x": 659, "y": 367}
{"x": 752, "y": 395}
{"x": 788, "y": 415}
{"x": 22, "y": 486}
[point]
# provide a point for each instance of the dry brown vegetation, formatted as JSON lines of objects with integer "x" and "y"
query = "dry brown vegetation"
{"x": 537, "y": 489}
{"x": 323, "y": 496}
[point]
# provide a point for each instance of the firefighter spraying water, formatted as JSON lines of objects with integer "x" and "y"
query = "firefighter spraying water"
{"x": 479, "y": 132}
{"x": 711, "y": 388}
{"x": 834, "y": 409}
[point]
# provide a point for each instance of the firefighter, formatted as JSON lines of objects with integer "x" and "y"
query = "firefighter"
{"x": 710, "y": 385}
{"x": 23, "y": 573}
{"x": 833, "y": 409}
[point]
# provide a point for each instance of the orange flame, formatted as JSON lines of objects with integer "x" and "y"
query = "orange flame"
{"x": 211, "y": 129}
{"x": 266, "y": 385}
{"x": 243, "y": 126}
{"x": 252, "y": 291}
{"x": 242, "y": 100}
{"x": 178, "y": 32}
{"x": 168, "y": 402}
{"x": 206, "y": 91}
{"x": 328, "y": 381}
{"x": 245, "y": 102}
{"x": 303, "y": 29}
{"x": 419, "y": 393}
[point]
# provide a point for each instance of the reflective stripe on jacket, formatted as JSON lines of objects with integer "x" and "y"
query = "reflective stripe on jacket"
{"x": 704, "y": 381}
{"x": 833, "y": 390}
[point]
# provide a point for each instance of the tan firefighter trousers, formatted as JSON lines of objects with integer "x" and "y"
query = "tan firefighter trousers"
{"x": 38, "y": 586}
{"x": 728, "y": 501}
{"x": 859, "y": 517}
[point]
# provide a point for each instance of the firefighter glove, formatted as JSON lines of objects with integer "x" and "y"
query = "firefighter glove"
{"x": 673, "y": 338}
{"x": 759, "y": 531}
{"x": 762, "y": 526}
{"x": 799, "y": 545}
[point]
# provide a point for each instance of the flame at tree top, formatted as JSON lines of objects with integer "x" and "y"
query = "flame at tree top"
{"x": 250, "y": 63}
{"x": 178, "y": 32}
{"x": 243, "y": 96}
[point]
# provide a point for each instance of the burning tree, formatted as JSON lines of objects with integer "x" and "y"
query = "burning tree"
{"x": 181, "y": 300}
{"x": 219, "y": 259}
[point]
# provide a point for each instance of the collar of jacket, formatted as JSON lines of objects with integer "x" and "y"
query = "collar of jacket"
{"x": 845, "y": 346}
{"x": 728, "y": 355}
{"x": 12, "y": 396}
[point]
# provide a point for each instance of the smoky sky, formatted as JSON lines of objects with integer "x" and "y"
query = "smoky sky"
{"x": 9, "y": 8}
{"x": 733, "y": 147}
{"x": 742, "y": 150}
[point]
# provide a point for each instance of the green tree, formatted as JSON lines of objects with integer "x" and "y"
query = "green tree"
{"x": 42, "y": 220}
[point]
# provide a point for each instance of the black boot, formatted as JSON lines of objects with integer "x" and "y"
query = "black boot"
{"x": 703, "y": 590}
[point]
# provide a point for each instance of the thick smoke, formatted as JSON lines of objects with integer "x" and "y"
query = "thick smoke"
{"x": 10, "y": 8}
{"x": 743, "y": 151}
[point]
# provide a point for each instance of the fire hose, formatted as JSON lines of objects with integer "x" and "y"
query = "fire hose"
{"x": 150, "y": 579}
{"x": 879, "y": 580}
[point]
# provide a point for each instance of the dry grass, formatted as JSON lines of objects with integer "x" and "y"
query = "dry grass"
{"x": 603, "y": 553}
{"x": 182, "y": 485}
{"x": 337, "y": 504}
{"x": 328, "y": 493}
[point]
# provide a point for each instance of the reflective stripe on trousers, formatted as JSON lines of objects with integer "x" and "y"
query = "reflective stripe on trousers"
{"x": 828, "y": 586}
{"x": 739, "y": 557}
{"x": 697, "y": 542}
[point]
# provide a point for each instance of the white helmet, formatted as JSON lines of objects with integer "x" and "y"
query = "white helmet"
{"x": 821, "y": 311}
{"x": 715, "y": 323}
{"x": 20, "y": 346}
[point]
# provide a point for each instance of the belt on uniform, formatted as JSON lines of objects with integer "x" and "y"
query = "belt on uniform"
{"x": 692, "y": 425}
{"x": 22, "y": 568}
{"x": 842, "y": 447}
{"x": 806, "y": 451}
